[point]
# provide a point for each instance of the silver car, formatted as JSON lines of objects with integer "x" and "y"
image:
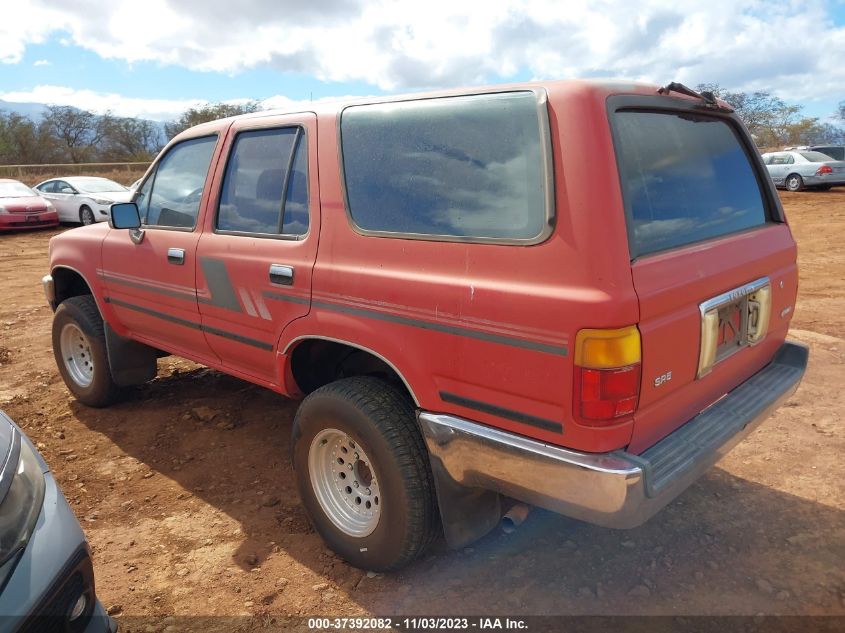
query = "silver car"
{"x": 797, "y": 170}
{"x": 83, "y": 199}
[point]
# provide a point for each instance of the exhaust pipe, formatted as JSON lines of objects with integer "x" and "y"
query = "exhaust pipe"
{"x": 515, "y": 517}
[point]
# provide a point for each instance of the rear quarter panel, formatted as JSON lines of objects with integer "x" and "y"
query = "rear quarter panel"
{"x": 484, "y": 331}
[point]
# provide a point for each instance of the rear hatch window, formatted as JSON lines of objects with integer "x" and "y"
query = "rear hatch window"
{"x": 685, "y": 178}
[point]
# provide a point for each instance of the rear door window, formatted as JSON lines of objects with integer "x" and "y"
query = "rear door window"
{"x": 685, "y": 178}
{"x": 459, "y": 168}
{"x": 265, "y": 189}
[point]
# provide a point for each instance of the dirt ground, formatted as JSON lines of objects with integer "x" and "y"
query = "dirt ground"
{"x": 187, "y": 496}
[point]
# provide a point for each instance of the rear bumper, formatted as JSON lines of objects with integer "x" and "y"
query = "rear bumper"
{"x": 834, "y": 180}
{"x": 616, "y": 489}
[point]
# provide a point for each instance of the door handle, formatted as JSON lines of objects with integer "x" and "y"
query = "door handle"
{"x": 176, "y": 256}
{"x": 281, "y": 275}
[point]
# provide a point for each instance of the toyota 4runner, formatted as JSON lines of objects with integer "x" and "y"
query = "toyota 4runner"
{"x": 573, "y": 294}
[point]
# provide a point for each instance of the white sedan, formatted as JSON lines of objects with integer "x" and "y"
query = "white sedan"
{"x": 83, "y": 199}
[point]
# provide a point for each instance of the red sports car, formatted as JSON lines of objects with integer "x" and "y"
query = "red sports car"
{"x": 22, "y": 208}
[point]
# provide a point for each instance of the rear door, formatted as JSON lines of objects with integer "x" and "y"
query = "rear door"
{"x": 713, "y": 261}
{"x": 257, "y": 252}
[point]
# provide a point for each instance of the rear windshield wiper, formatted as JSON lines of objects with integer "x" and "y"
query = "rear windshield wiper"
{"x": 706, "y": 96}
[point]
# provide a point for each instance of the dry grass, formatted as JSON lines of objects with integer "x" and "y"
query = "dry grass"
{"x": 31, "y": 176}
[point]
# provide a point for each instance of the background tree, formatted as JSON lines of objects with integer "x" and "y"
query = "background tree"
{"x": 77, "y": 131}
{"x": 773, "y": 122}
{"x": 209, "y": 112}
{"x": 128, "y": 140}
{"x": 24, "y": 142}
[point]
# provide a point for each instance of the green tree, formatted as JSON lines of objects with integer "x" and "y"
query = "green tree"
{"x": 209, "y": 112}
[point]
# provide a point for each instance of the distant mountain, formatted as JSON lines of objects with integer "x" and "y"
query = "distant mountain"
{"x": 32, "y": 110}
{"x": 36, "y": 111}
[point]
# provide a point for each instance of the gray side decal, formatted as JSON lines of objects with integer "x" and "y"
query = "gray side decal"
{"x": 558, "y": 350}
{"x": 192, "y": 324}
{"x": 508, "y": 414}
{"x": 219, "y": 285}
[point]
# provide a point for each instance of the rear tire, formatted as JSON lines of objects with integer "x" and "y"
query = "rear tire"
{"x": 363, "y": 473}
{"x": 86, "y": 215}
{"x": 79, "y": 346}
{"x": 794, "y": 182}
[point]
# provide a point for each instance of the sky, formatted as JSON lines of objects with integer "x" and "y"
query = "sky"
{"x": 156, "y": 58}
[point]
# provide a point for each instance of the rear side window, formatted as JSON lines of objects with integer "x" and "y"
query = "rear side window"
{"x": 265, "y": 185}
{"x": 453, "y": 168}
{"x": 685, "y": 178}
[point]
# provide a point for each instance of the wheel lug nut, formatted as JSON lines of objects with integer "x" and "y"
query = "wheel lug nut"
{"x": 367, "y": 491}
{"x": 355, "y": 483}
{"x": 355, "y": 455}
{"x": 349, "y": 466}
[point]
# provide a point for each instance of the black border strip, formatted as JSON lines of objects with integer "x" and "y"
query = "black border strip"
{"x": 508, "y": 414}
{"x": 191, "y": 324}
{"x": 556, "y": 350}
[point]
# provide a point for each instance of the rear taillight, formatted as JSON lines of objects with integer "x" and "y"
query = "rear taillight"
{"x": 607, "y": 375}
{"x": 824, "y": 169}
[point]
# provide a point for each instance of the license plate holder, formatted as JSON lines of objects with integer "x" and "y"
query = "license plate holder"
{"x": 732, "y": 321}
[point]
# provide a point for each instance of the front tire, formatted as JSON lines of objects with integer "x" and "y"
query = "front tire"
{"x": 363, "y": 473}
{"x": 79, "y": 346}
{"x": 86, "y": 215}
{"x": 794, "y": 182}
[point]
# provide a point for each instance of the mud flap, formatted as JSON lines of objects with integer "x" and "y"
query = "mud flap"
{"x": 130, "y": 362}
{"x": 467, "y": 514}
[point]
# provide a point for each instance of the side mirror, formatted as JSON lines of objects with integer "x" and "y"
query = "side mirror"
{"x": 124, "y": 215}
{"x": 67, "y": 190}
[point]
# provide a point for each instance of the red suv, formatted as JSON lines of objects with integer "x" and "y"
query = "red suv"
{"x": 574, "y": 294}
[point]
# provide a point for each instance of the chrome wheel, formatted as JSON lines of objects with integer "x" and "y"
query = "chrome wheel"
{"x": 344, "y": 482}
{"x": 76, "y": 353}
{"x": 793, "y": 183}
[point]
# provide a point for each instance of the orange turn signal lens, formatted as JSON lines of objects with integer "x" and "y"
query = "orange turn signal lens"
{"x": 605, "y": 349}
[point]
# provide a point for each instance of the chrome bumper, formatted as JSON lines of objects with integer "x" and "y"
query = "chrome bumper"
{"x": 616, "y": 489}
{"x": 49, "y": 290}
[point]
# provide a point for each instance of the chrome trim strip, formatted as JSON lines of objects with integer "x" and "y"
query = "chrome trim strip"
{"x": 362, "y": 348}
{"x": 732, "y": 295}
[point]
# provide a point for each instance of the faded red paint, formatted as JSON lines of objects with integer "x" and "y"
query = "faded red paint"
{"x": 581, "y": 277}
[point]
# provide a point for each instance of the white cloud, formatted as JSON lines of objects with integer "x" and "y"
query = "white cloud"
{"x": 42, "y": 62}
{"x": 789, "y": 48}
{"x": 155, "y": 109}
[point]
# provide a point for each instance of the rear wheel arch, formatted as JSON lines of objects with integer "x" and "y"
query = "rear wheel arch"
{"x": 315, "y": 361}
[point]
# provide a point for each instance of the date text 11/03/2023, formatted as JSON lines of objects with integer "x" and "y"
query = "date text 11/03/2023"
{"x": 417, "y": 624}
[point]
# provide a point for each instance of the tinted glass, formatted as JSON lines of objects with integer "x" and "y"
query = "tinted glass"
{"x": 253, "y": 187}
{"x": 178, "y": 184}
{"x": 816, "y": 157}
{"x": 47, "y": 187}
{"x": 296, "y": 203}
{"x": 685, "y": 178}
{"x": 461, "y": 166}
